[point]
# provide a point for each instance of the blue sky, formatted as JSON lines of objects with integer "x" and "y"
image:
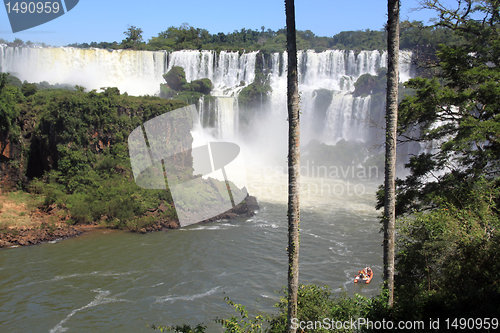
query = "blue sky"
{"x": 106, "y": 20}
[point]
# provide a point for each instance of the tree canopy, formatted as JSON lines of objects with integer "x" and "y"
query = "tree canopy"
{"x": 457, "y": 113}
{"x": 414, "y": 35}
{"x": 134, "y": 38}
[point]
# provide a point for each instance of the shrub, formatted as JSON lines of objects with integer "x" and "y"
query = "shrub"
{"x": 176, "y": 78}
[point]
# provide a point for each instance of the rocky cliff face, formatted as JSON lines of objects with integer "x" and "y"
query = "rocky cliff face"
{"x": 13, "y": 153}
{"x": 52, "y": 121}
{"x": 6, "y": 170}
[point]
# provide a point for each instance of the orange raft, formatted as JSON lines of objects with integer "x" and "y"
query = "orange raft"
{"x": 365, "y": 275}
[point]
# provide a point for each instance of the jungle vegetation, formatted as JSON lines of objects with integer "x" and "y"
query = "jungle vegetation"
{"x": 71, "y": 148}
{"x": 414, "y": 36}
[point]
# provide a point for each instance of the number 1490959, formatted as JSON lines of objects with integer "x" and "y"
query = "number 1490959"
{"x": 472, "y": 323}
{"x": 32, "y": 7}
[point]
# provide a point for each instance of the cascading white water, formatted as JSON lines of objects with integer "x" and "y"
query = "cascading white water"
{"x": 136, "y": 72}
{"x": 227, "y": 118}
{"x": 335, "y": 70}
{"x": 196, "y": 65}
{"x": 226, "y": 70}
{"x": 201, "y": 109}
{"x": 404, "y": 66}
{"x": 229, "y": 72}
{"x": 326, "y": 70}
{"x": 140, "y": 72}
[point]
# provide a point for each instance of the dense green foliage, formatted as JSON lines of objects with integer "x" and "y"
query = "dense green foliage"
{"x": 134, "y": 38}
{"x": 459, "y": 110}
{"x": 255, "y": 94}
{"x": 315, "y": 304}
{"x": 368, "y": 84}
{"x": 319, "y": 303}
{"x": 202, "y": 86}
{"x": 360, "y": 40}
{"x": 449, "y": 257}
{"x": 12, "y": 80}
{"x": 91, "y": 175}
{"x": 178, "y": 88}
{"x": 71, "y": 148}
{"x": 77, "y": 154}
{"x": 176, "y": 78}
{"x": 10, "y": 97}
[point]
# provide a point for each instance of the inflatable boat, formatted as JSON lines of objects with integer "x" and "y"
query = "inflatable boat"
{"x": 365, "y": 275}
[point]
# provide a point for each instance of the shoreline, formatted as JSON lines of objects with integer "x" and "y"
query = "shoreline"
{"x": 43, "y": 229}
{"x": 35, "y": 236}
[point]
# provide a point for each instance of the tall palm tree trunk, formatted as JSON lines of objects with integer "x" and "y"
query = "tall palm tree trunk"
{"x": 390, "y": 144}
{"x": 293, "y": 165}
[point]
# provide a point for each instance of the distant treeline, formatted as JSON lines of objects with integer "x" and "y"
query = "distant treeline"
{"x": 414, "y": 36}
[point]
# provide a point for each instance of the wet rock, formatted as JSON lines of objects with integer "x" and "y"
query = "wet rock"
{"x": 5, "y": 244}
{"x": 30, "y": 236}
{"x": 172, "y": 225}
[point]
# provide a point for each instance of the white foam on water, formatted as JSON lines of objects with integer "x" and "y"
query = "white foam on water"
{"x": 223, "y": 226}
{"x": 267, "y": 225}
{"x": 100, "y": 299}
{"x": 172, "y": 299}
{"x": 77, "y": 275}
{"x": 63, "y": 277}
{"x": 340, "y": 251}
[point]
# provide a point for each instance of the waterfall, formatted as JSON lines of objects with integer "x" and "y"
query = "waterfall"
{"x": 137, "y": 73}
{"x": 347, "y": 117}
{"x": 140, "y": 72}
{"x": 404, "y": 66}
{"x": 368, "y": 62}
{"x": 201, "y": 110}
{"x": 227, "y": 118}
{"x": 196, "y": 64}
{"x": 227, "y": 70}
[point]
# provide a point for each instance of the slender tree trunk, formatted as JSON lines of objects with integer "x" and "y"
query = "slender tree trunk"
{"x": 390, "y": 144}
{"x": 293, "y": 165}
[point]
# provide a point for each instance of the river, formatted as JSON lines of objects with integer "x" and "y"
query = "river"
{"x": 116, "y": 281}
